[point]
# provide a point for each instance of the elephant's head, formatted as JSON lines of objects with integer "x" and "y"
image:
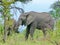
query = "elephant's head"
{"x": 24, "y": 19}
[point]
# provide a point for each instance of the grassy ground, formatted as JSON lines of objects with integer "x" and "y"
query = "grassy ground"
{"x": 18, "y": 39}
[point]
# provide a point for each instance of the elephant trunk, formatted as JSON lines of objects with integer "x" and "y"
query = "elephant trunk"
{"x": 18, "y": 23}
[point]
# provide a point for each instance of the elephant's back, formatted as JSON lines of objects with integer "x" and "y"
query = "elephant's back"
{"x": 42, "y": 15}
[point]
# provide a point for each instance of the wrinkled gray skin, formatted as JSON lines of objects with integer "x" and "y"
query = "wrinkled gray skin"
{"x": 34, "y": 20}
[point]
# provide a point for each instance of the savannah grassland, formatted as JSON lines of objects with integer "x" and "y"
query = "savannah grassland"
{"x": 18, "y": 39}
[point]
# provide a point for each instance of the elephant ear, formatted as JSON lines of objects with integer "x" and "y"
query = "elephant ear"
{"x": 30, "y": 19}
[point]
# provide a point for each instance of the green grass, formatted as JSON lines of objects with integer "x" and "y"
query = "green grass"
{"x": 18, "y": 39}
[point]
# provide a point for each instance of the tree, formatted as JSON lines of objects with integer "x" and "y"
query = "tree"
{"x": 6, "y": 6}
{"x": 55, "y": 10}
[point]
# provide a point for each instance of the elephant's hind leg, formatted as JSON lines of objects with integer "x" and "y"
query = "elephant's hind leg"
{"x": 44, "y": 32}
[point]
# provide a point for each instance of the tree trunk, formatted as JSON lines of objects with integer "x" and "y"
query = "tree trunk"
{"x": 5, "y": 30}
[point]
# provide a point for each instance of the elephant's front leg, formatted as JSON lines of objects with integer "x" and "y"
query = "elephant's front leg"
{"x": 27, "y": 32}
{"x": 32, "y": 29}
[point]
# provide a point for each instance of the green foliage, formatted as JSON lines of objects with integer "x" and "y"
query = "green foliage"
{"x": 7, "y": 2}
{"x": 1, "y": 28}
{"x": 55, "y": 12}
{"x": 1, "y": 9}
{"x": 10, "y": 22}
{"x": 55, "y": 5}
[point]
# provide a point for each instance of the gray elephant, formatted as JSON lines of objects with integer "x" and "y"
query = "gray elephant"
{"x": 34, "y": 20}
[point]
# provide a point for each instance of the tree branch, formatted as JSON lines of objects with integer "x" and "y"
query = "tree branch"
{"x": 22, "y": 11}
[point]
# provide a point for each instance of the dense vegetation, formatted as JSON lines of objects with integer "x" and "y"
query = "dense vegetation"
{"x": 18, "y": 39}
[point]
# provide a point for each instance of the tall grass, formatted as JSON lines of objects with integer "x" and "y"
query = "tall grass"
{"x": 19, "y": 39}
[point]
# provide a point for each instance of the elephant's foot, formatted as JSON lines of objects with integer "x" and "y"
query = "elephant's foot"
{"x": 31, "y": 39}
{"x": 26, "y": 38}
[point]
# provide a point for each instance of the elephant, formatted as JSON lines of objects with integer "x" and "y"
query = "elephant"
{"x": 35, "y": 20}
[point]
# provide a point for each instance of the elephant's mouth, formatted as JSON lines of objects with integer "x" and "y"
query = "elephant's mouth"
{"x": 23, "y": 22}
